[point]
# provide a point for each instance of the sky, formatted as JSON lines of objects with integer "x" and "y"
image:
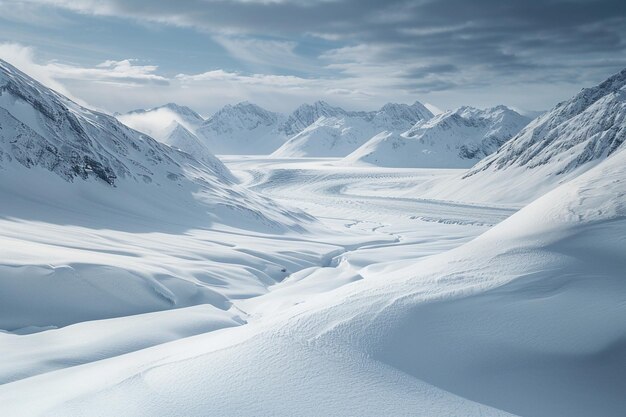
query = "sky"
{"x": 119, "y": 55}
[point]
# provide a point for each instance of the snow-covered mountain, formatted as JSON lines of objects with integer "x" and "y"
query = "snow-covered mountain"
{"x": 587, "y": 128}
{"x": 41, "y": 128}
{"x": 244, "y": 128}
{"x": 336, "y": 132}
{"x": 557, "y": 146}
{"x": 399, "y": 117}
{"x": 454, "y": 139}
{"x": 159, "y": 122}
{"x": 171, "y": 124}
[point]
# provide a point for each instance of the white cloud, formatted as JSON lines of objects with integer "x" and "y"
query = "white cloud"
{"x": 60, "y": 76}
{"x": 127, "y": 84}
{"x": 253, "y": 79}
{"x": 23, "y": 57}
{"x": 124, "y": 72}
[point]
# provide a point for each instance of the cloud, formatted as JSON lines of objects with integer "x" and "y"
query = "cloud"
{"x": 23, "y": 57}
{"x": 122, "y": 85}
{"x": 124, "y": 72}
{"x": 270, "y": 80}
{"x": 459, "y": 52}
{"x": 58, "y": 76}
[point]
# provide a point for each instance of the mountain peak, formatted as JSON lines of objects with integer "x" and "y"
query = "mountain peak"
{"x": 186, "y": 113}
{"x": 248, "y": 107}
{"x": 242, "y": 128}
{"x": 400, "y": 117}
{"x": 248, "y": 114}
{"x": 454, "y": 139}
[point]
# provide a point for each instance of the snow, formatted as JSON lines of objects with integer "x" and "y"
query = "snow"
{"x": 45, "y": 351}
{"x": 308, "y": 286}
{"x": 172, "y": 125}
{"x": 136, "y": 208}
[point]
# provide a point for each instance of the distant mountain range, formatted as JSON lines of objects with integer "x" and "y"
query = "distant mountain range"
{"x": 398, "y": 135}
{"x": 244, "y": 128}
{"x": 454, "y": 139}
{"x": 336, "y": 132}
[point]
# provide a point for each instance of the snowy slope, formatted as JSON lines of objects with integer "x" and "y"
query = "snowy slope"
{"x": 561, "y": 144}
{"x": 454, "y": 139}
{"x": 94, "y": 218}
{"x": 337, "y": 133}
{"x": 526, "y": 319}
{"x": 180, "y": 137}
{"x": 244, "y": 128}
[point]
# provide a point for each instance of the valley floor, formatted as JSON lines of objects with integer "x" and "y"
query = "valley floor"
{"x": 370, "y": 200}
